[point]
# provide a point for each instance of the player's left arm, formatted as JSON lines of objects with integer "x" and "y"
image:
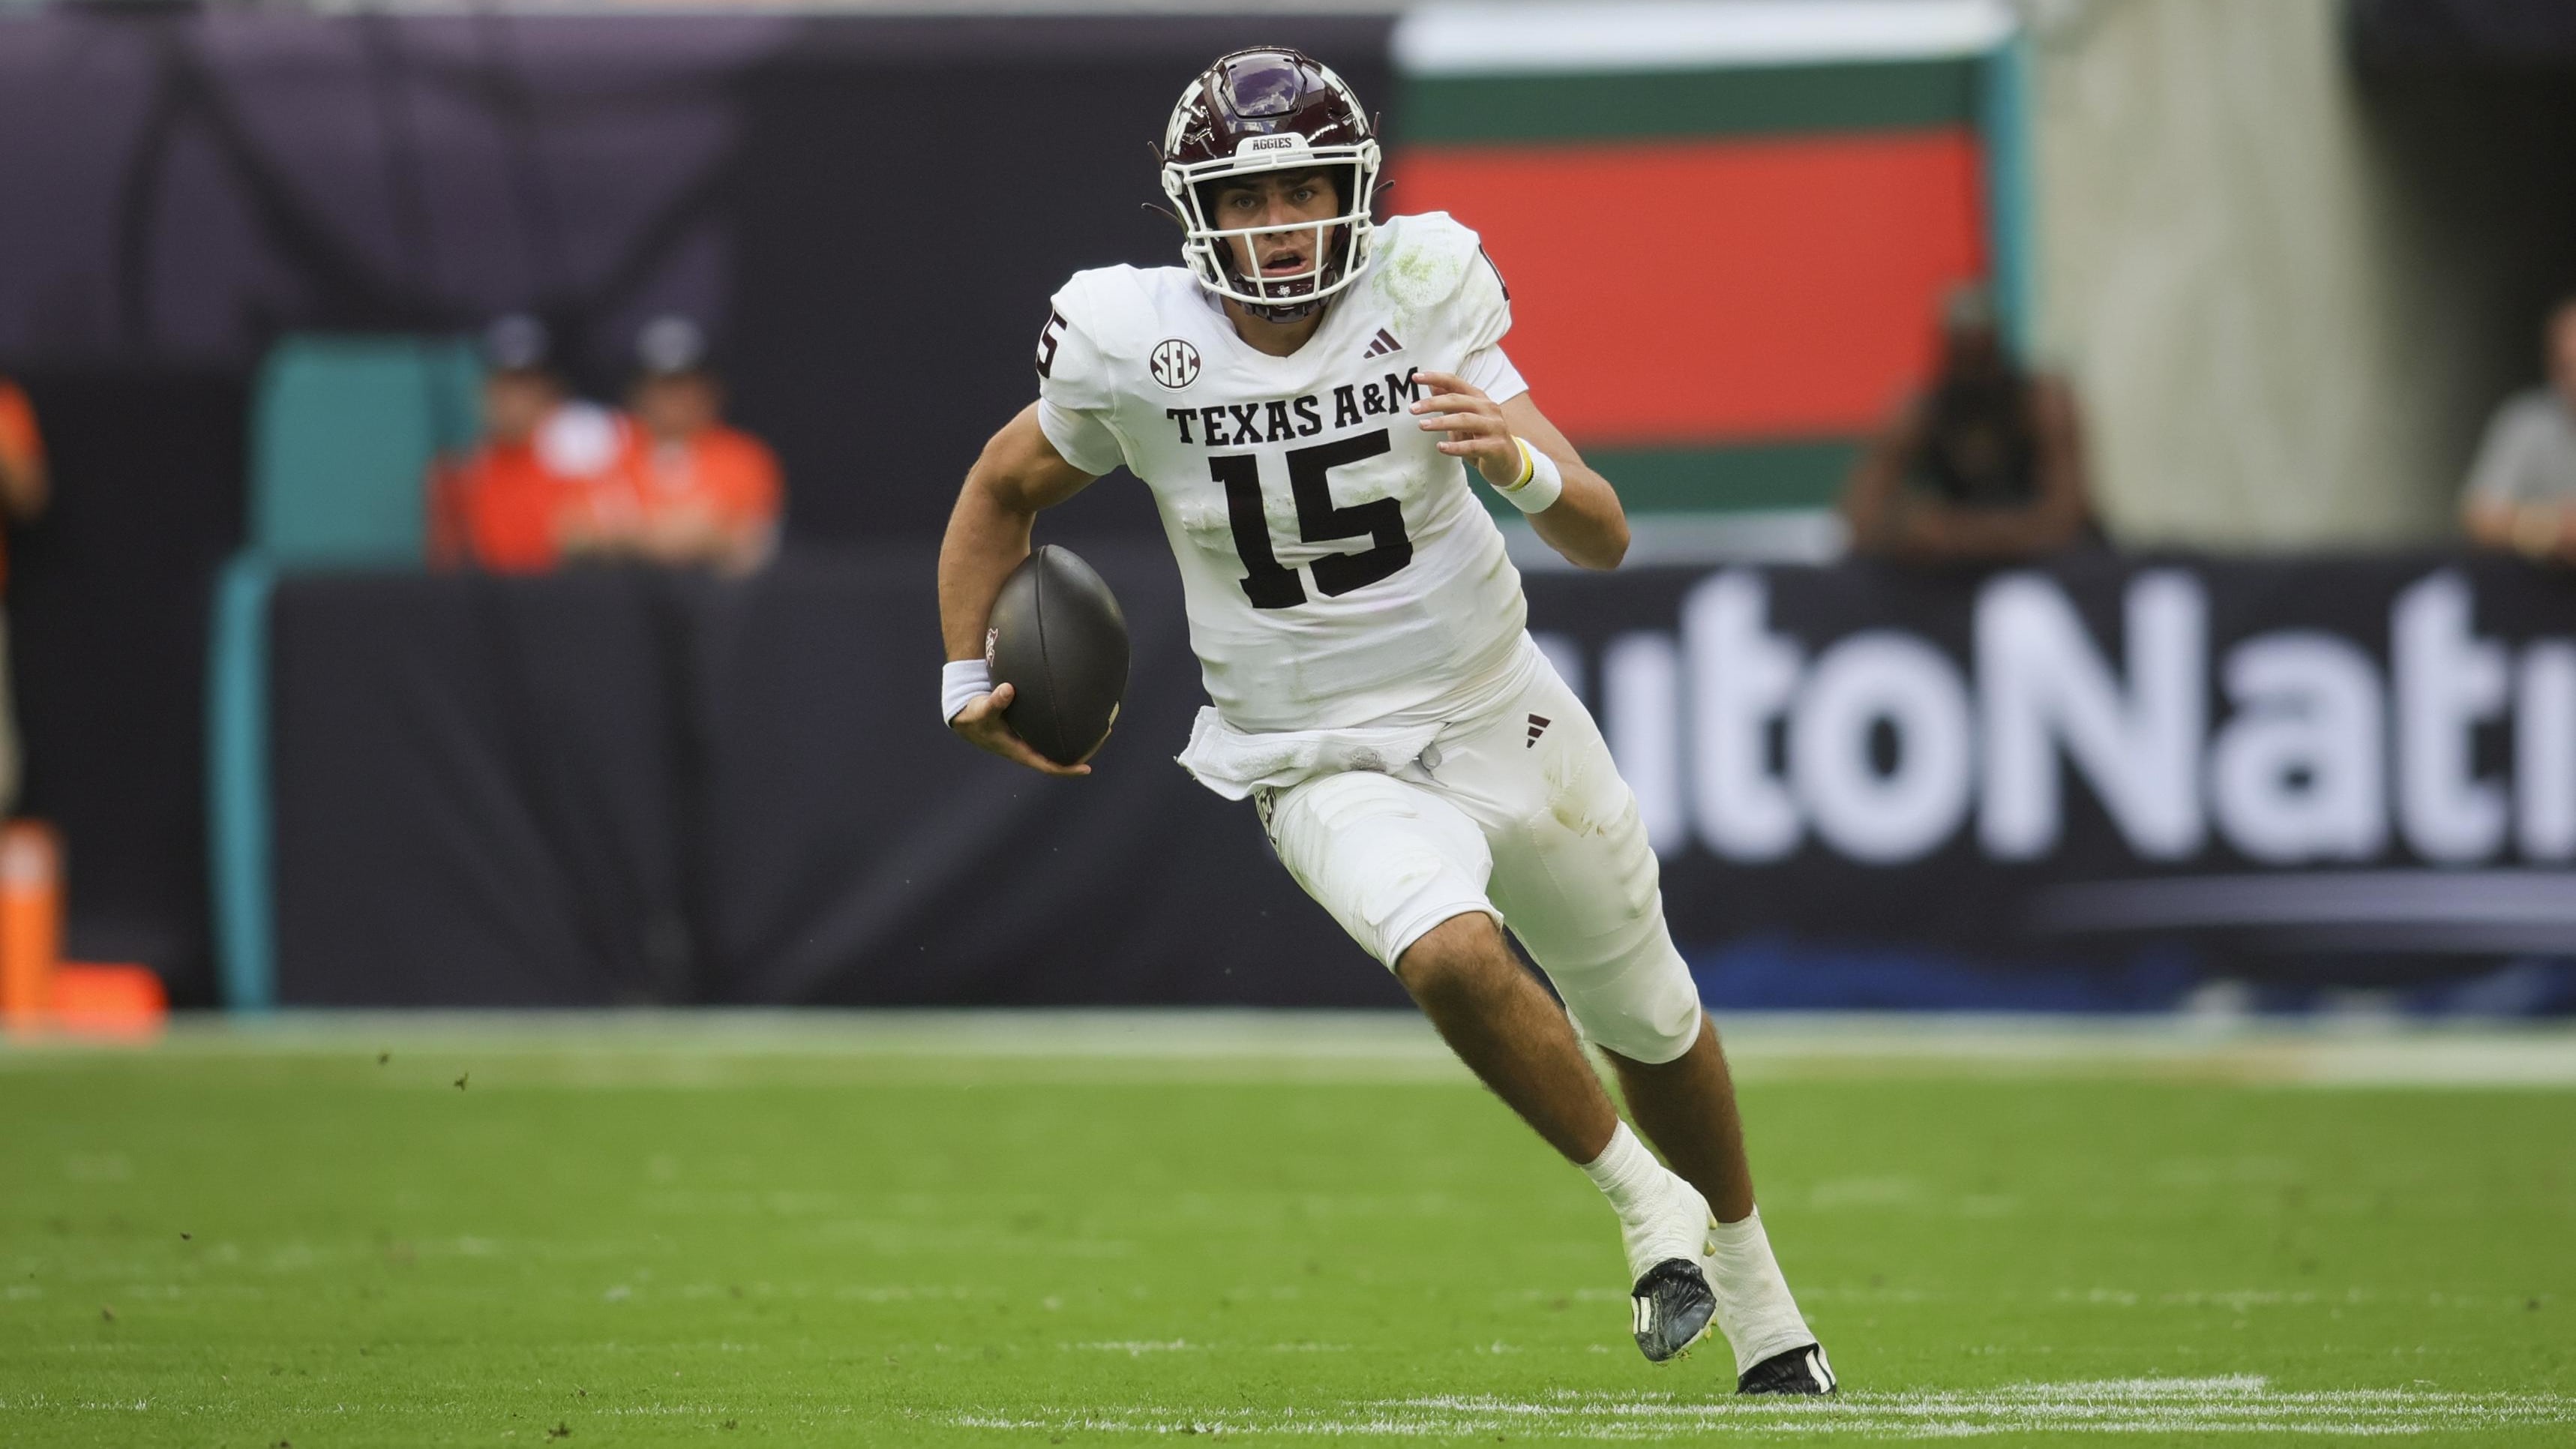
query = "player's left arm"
{"x": 1586, "y": 523}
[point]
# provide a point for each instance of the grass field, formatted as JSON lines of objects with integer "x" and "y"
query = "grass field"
{"x": 633, "y": 1231}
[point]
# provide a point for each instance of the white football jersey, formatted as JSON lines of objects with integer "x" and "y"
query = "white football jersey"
{"x": 1338, "y": 571}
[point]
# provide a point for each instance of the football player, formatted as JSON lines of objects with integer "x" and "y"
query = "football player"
{"x": 1306, "y": 397}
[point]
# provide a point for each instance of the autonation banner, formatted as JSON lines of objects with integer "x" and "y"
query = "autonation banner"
{"x": 2266, "y": 763}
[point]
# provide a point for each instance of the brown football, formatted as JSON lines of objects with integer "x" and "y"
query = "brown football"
{"x": 1057, "y": 638}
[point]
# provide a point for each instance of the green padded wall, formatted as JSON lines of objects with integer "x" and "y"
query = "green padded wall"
{"x": 341, "y": 431}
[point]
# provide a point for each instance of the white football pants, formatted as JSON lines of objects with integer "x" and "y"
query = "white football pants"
{"x": 1521, "y": 815}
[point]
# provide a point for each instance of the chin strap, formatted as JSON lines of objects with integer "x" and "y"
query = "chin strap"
{"x": 1283, "y": 311}
{"x": 1276, "y": 311}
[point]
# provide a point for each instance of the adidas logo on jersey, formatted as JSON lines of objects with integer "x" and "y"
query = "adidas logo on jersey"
{"x": 1381, "y": 345}
{"x": 1538, "y": 726}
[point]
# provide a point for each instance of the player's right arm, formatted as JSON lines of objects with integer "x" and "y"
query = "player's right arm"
{"x": 1874, "y": 502}
{"x": 1019, "y": 473}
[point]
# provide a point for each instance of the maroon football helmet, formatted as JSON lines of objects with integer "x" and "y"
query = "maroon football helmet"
{"x": 1270, "y": 110}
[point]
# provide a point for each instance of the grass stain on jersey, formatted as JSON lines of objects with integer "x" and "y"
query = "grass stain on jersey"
{"x": 1414, "y": 277}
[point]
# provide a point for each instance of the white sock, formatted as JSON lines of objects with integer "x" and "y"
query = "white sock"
{"x": 1627, "y": 1174}
{"x": 1754, "y": 1308}
{"x": 1660, "y": 1215}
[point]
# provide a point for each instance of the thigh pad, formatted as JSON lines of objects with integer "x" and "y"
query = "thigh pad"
{"x": 1389, "y": 859}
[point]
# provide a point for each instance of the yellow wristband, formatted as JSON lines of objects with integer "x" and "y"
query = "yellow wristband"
{"x": 1541, "y": 482}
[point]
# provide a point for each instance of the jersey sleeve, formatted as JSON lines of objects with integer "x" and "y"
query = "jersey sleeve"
{"x": 1491, "y": 371}
{"x": 1074, "y": 397}
{"x": 1483, "y": 306}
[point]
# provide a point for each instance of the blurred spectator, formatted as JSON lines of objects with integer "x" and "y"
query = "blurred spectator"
{"x": 1984, "y": 465}
{"x": 510, "y": 505}
{"x": 696, "y": 492}
{"x": 2522, "y": 491}
{"x": 24, "y": 486}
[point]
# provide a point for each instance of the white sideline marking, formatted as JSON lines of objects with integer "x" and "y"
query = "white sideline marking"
{"x": 613, "y": 1049}
{"x": 2240, "y": 1404}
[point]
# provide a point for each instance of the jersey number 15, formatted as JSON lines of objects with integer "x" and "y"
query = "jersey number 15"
{"x": 1269, "y": 584}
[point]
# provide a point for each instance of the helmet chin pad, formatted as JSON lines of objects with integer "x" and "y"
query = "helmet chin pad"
{"x": 1284, "y": 311}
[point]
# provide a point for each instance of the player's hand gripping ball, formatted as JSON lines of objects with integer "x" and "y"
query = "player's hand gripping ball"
{"x": 1057, "y": 638}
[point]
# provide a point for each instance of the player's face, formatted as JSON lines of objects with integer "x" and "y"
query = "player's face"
{"x": 1292, "y": 201}
{"x": 1973, "y": 348}
{"x": 514, "y": 403}
{"x": 677, "y": 407}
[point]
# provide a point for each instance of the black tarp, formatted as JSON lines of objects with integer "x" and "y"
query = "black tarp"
{"x": 627, "y": 787}
{"x": 2470, "y": 32}
{"x": 108, "y": 648}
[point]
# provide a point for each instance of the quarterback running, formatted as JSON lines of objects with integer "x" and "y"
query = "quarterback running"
{"x": 1306, "y": 398}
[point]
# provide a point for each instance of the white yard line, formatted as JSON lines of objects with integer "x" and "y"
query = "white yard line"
{"x": 2240, "y": 1404}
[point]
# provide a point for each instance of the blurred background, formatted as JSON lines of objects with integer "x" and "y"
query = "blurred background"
{"x": 2104, "y": 473}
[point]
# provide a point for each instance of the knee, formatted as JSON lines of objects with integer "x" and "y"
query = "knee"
{"x": 1647, "y": 1013}
{"x": 1462, "y": 956}
{"x": 1652, "y": 1043}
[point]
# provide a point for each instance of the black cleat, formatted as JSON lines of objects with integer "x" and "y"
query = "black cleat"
{"x": 1673, "y": 1307}
{"x": 1799, "y": 1371}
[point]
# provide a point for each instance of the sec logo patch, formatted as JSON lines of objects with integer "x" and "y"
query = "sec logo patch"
{"x": 1174, "y": 363}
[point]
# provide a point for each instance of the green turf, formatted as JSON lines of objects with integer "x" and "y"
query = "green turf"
{"x": 660, "y": 1244}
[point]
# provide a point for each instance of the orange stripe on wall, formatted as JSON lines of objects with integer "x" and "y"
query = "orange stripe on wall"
{"x": 1708, "y": 291}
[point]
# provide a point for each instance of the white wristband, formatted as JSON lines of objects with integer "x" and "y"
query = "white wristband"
{"x": 960, "y": 680}
{"x": 1542, "y": 482}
